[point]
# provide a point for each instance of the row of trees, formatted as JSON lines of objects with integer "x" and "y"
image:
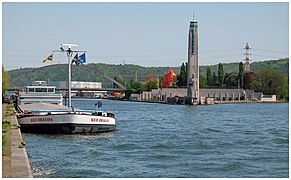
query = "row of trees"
{"x": 267, "y": 81}
{"x": 270, "y": 82}
{"x": 221, "y": 80}
{"x": 5, "y": 80}
{"x": 135, "y": 87}
{"x": 224, "y": 80}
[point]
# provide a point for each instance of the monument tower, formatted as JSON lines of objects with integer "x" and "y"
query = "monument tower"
{"x": 193, "y": 65}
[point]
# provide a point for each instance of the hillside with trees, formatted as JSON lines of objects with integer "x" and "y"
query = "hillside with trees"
{"x": 281, "y": 65}
{"x": 59, "y": 72}
{"x": 215, "y": 76}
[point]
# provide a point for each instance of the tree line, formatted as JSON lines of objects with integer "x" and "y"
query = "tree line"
{"x": 217, "y": 79}
{"x": 5, "y": 80}
{"x": 137, "y": 87}
{"x": 215, "y": 76}
{"x": 269, "y": 82}
{"x": 126, "y": 71}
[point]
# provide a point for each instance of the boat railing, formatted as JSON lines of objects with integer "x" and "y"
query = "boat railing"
{"x": 48, "y": 112}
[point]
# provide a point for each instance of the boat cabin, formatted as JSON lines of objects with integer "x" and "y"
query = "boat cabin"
{"x": 39, "y": 91}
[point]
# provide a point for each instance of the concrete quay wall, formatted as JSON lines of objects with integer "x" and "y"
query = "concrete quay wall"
{"x": 20, "y": 167}
{"x": 218, "y": 95}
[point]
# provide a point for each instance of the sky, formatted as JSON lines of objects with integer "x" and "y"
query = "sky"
{"x": 147, "y": 34}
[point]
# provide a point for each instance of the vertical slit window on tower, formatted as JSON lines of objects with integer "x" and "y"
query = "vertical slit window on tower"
{"x": 193, "y": 42}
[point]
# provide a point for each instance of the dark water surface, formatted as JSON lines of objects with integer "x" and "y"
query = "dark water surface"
{"x": 159, "y": 140}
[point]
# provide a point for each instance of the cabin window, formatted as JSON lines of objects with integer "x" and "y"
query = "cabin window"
{"x": 50, "y": 90}
{"x": 40, "y": 89}
{"x": 30, "y": 89}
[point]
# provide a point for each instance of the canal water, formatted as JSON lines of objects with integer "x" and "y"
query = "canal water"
{"x": 247, "y": 140}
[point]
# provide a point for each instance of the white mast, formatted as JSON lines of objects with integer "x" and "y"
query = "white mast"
{"x": 69, "y": 52}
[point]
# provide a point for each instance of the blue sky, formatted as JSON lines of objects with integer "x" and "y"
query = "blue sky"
{"x": 146, "y": 34}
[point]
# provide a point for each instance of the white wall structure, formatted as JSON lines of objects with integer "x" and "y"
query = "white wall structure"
{"x": 268, "y": 98}
{"x": 89, "y": 85}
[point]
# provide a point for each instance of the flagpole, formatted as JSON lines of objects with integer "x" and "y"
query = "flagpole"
{"x": 69, "y": 55}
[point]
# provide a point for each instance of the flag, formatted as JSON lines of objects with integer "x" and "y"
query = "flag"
{"x": 82, "y": 58}
{"x": 49, "y": 58}
{"x": 79, "y": 59}
{"x": 76, "y": 59}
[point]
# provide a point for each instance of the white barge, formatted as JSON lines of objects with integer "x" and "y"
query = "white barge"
{"x": 40, "y": 110}
{"x": 56, "y": 119}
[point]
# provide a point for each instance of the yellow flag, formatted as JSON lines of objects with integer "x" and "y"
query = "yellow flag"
{"x": 49, "y": 58}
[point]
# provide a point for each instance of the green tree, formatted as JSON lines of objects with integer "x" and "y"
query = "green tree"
{"x": 152, "y": 84}
{"x": 240, "y": 76}
{"x": 183, "y": 69}
{"x": 5, "y": 80}
{"x": 230, "y": 80}
{"x": 182, "y": 78}
{"x": 135, "y": 87}
{"x": 209, "y": 77}
{"x": 202, "y": 81}
{"x": 220, "y": 75}
{"x": 214, "y": 80}
{"x": 161, "y": 78}
{"x": 120, "y": 80}
{"x": 270, "y": 82}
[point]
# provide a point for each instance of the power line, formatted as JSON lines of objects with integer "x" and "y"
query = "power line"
{"x": 222, "y": 50}
{"x": 267, "y": 50}
{"x": 222, "y": 56}
{"x": 277, "y": 57}
{"x": 137, "y": 58}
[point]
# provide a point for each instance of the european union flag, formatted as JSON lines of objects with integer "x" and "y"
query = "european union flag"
{"x": 79, "y": 59}
{"x": 76, "y": 59}
{"x": 82, "y": 58}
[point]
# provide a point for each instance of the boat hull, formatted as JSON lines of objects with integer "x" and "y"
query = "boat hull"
{"x": 66, "y": 124}
{"x": 65, "y": 128}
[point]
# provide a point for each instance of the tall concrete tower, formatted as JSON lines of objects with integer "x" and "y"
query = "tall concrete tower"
{"x": 193, "y": 65}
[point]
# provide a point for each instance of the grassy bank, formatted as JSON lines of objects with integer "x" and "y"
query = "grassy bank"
{"x": 7, "y": 112}
{"x": 5, "y": 125}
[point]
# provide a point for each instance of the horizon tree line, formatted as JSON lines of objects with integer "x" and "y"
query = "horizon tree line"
{"x": 268, "y": 81}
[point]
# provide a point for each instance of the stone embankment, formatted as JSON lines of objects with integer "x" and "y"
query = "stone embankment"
{"x": 19, "y": 163}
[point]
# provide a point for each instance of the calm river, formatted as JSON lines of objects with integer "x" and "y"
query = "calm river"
{"x": 158, "y": 140}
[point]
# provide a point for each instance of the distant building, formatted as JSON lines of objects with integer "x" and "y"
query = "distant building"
{"x": 218, "y": 95}
{"x": 89, "y": 85}
{"x": 77, "y": 84}
{"x": 86, "y": 89}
